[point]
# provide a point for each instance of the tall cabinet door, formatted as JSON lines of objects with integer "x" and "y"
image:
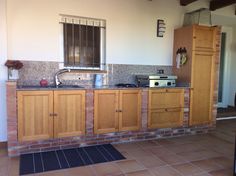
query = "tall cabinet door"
{"x": 106, "y": 111}
{"x": 129, "y": 110}
{"x": 202, "y": 87}
{"x": 69, "y": 113}
{"x": 35, "y": 109}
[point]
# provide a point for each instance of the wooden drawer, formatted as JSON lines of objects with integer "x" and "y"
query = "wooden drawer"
{"x": 165, "y": 118}
{"x": 166, "y": 98}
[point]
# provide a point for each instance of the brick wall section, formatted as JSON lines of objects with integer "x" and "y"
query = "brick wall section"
{"x": 15, "y": 148}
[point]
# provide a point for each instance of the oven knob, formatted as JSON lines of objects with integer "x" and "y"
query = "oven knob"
{"x": 156, "y": 83}
{"x": 168, "y": 83}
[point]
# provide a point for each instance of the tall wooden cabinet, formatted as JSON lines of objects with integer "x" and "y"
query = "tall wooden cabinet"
{"x": 116, "y": 110}
{"x": 50, "y": 114}
{"x": 202, "y": 45}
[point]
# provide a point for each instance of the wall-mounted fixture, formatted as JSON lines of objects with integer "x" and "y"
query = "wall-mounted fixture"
{"x": 161, "y": 28}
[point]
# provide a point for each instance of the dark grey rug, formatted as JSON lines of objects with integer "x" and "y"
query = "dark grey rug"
{"x": 62, "y": 159}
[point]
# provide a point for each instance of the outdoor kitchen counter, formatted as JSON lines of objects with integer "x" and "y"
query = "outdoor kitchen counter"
{"x": 74, "y": 87}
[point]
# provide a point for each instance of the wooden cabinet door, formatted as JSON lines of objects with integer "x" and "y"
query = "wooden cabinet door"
{"x": 34, "y": 110}
{"x": 69, "y": 113}
{"x": 106, "y": 111}
{"x": 165, "y": 118}
{"x": 201, "y": 98}
{"x": 166, "y": 98}
{"x": 130, "y": 110}
{"x": 204, "y": 38}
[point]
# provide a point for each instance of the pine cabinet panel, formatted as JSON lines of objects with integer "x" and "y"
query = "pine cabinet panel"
{"x": 130, "y": 105}
{"x": 116, "y": 110}
{"x": 34, "y": 115}
{"x": 50, "y": 114}
{"x": 165, "y": 108}
{"x": 202, "y": 92}
{"x": 204, "y": 38}
{"x": 69, "y": 110}
{"x": 105, "y": 111}
{"x": 163, "y": 98}
{"x": 166, "y": 118}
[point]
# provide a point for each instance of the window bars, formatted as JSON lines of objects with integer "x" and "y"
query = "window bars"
{"x": 84, "y": 42}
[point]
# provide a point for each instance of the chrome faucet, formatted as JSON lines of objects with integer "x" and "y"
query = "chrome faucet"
{"x": 56, "y": 77}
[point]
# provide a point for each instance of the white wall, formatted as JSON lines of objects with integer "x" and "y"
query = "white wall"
{"x": 3, "y": 70}
{"x": 34, "y": 29}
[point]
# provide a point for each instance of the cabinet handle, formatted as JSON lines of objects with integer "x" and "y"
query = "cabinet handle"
{"x": 55, "y": 114}
{"x": 120, "y": 110}
{"x": 51, "y": 114}
{"x": 117, "y": 110}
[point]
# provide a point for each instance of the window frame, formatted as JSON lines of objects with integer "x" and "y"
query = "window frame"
{"x": 62, "y": 64}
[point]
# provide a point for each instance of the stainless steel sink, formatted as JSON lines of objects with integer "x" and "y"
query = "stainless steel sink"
{"x": 68, "y": 86}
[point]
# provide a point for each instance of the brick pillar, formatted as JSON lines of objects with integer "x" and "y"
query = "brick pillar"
{"x": 11, "y": 117}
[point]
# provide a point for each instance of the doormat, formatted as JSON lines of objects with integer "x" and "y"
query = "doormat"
{"x": 67, "y": 158}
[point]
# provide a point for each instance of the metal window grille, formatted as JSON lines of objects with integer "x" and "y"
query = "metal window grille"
{"x": 84, "y": 42}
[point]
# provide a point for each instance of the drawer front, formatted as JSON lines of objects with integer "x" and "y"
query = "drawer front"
{"x": 166, "y": 98}
{"x": 165, "y": 118}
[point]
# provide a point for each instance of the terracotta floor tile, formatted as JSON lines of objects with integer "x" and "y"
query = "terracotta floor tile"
{"x": 193, "y": 156}
{"x": 187, "y": 169}
{"x": 80, "y": 171}
{"x": 159, "y": 151}
{"x": 164, "y": 171}
{"x": 52, "y": 173}
{"x": 223, "y": 172}
{"x": 163, "y": 142}
{"x": 189, "y": 147}
{"x": 172, "y": 159}
{"x": 207, "y": 165}
{"x": 151, "y": 161}
{"x": 223, "y": 161}
{"x": 138, "y": 152}
{"x": 139, "y": 173}
{"x": 107, "y": 169}
{"x": 130, "y": 166}
{"x": 147, "y": 144}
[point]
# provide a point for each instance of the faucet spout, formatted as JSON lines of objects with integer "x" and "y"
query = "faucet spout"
{"x": 56, "y": 77}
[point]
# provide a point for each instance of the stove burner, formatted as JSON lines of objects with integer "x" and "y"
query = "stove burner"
{"x": 125, "y": 85}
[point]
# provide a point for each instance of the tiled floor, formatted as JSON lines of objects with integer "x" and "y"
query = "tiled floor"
{"x": 201, "y": 155}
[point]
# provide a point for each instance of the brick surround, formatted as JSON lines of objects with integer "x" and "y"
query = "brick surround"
{"x": 16, "y": 148}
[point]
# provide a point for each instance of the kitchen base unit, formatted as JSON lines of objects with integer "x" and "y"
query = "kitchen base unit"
{"x": 130, "y": 129}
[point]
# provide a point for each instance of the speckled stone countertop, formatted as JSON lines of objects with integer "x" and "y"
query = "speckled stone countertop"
{"x": 76, "y": 87}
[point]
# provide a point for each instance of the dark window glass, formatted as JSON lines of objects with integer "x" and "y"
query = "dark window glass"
{"x": 81, "y": 45}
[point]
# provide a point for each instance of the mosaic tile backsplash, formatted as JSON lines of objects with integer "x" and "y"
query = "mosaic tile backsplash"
{"x": 33, "y": 71}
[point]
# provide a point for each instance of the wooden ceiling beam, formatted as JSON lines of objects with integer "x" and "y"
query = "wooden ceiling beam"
{"x": 186, "y": 2}
{"x": 217, "y": 4}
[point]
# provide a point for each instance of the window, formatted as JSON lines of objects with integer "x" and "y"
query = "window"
{"x": 83, "y": 42}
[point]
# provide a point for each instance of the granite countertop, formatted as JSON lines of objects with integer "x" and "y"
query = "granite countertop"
{"x": 76, "y": 87}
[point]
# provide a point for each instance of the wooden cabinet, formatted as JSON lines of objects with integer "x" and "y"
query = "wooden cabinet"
{"x": 34, "y": 115}
{"x": 130, "y": 106}
{"x": 116, "y": 110}
{"x": 69, "y": 108}
{"x": 165, "y": 108}
{"x": 48, "y": 114}
{"x": 106, "y": 111}
{"x": 202, "y": 44}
